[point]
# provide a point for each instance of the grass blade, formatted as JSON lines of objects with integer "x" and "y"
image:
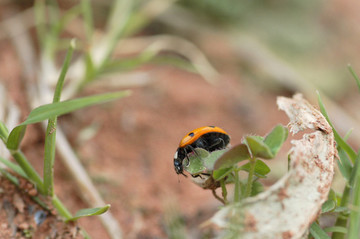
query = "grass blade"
{"x": 9, "y": 176}
{"x": 45, "y": 112}
{"x": 354, "y": 75}
{"x": 317, "y": 232}
{"x": 88, "y": 21}
{"x": 344, "y": 164}
{"x": 4, "y": 132}
{"x": 89, "y": 212}
{"x": 338, "y": 138}
{"x": 355, "y": 212}
{"x": 16, "y": 168}
{"x": 50, "y": 136}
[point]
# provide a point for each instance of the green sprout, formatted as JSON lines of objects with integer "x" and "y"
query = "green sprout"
{"x": 50, "y": 112}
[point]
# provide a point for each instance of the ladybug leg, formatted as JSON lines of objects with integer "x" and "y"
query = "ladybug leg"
{"x": 217, "y": 143}
{"x": 197, "y": 175}
{"x": 194, "y": 151}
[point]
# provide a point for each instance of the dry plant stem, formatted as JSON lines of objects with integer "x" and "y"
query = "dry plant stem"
{"x": 88, "y": 191}
{"x": 217, "y": 197}
{"x": 288, "y": 208}
{"x": 26, "y": 53}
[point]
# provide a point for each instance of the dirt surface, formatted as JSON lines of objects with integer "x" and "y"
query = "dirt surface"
{"x": 130, "y": 155}
{"x": 21, "y": 217}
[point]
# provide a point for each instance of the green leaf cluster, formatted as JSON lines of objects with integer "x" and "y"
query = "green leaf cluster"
{"x": 223, "y": 165}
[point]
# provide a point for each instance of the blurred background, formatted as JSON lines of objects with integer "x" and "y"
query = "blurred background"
{"x": 188, "y": 64}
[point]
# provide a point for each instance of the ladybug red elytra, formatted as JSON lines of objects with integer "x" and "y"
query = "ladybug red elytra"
{"x": 210, "y": 138}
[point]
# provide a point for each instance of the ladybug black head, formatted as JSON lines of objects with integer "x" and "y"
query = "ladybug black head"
{"x": 178, "y": 160}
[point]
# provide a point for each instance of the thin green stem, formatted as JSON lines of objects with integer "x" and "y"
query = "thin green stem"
{"x": 250, "y": 177}
{"x": 49, "y": 156}
{"x": 65, "y": 67}
{"x": 224, "y": 191}
{"x": 355, "y": 211}
{"x": 237, "y": 189}
{"x": 88, "y": 20}
{"x": 39, "y": 8}
{"x": 342, "y": 219}
{"x": 29, "y": 170}
{"x": 354, "y": 75}
{"x": 50, "y": 137}
{"x": 61, "y": 208}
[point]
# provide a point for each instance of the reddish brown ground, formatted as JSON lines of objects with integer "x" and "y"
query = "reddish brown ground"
{"x": 131, "y": 157}
{"x": 21, "y": 217}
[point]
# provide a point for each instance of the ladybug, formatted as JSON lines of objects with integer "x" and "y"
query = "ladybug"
{"x": 210, "y": 138}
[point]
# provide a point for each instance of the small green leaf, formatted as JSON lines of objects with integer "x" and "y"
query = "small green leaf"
{"x": 201, "y": 160}
{"x": 258, "y": 148}
{"x": 317, "y": 232}
{"x": 332, "y": 195}
{"x": 261, "y": 169}
{"x": 328, "y": 206}
{"x": 212, "y": 158}
{"x": 221, "y": 173}
{"x": 233, "y": 156}
{"x": 89, "y": 212}
{"x": 15, "y": 137}
{"x": 276, "y": 138}
{"x": 195, "y": 165}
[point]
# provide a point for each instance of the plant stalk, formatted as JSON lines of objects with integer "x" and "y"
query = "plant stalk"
{"x": 50, "y": 137}
{"x": 224, "y": 191}
{"x": 250, "y": 178}
{"x": 342, "y": 219}
{"x": 61, "y": 208}
{"x": 237, "y": 189}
